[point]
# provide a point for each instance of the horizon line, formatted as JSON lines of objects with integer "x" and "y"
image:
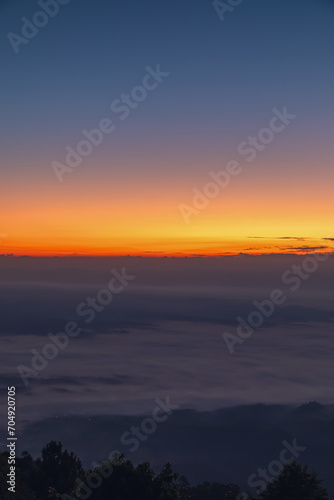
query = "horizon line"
{"x": 158, "y": 255}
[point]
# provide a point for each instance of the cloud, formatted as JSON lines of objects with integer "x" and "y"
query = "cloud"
{"x": 295, "y": 238}
{"x": 164, "y": 334}
{"x": 298, "y": 238}
{"x": 306, "y": 248}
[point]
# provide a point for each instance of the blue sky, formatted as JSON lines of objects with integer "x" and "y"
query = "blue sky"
{"x": 225, "y": 76}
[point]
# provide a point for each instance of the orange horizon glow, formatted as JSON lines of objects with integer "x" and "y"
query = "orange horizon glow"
{"x": 174, "y": 249}
{"x": 103, "y": 216}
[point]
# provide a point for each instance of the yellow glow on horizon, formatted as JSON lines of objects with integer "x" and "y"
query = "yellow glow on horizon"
{"x": 119, "y": 219}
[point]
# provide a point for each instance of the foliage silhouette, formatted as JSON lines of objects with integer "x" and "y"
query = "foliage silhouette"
{"x": 295, "y": 483}
{"x": 58, "y": 475}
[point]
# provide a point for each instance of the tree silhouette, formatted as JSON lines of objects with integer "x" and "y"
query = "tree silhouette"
{"x": 58, "y": 469}
{"x": 295, "y": 483}
{"x": 58, "y": 475}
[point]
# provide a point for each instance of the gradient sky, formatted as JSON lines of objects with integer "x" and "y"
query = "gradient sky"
{"x": 225, "y": 79}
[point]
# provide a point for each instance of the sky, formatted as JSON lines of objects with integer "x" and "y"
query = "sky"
{"x": 134, "y": 193}
{"x": 134, "y": 129}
